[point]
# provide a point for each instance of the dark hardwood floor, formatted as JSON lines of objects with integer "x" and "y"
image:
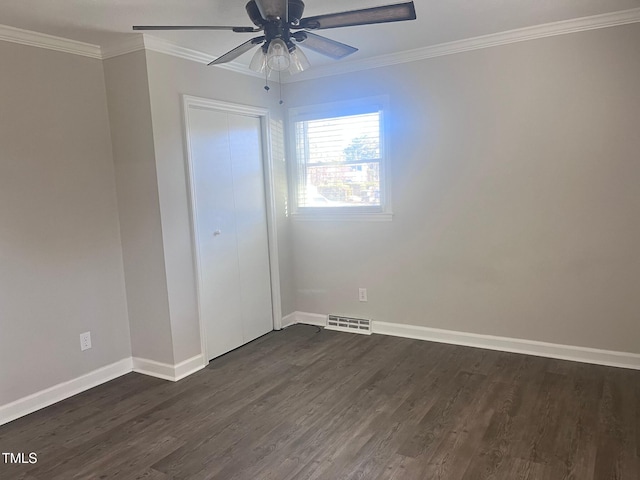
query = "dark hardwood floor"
{"x": 303, "y": 404}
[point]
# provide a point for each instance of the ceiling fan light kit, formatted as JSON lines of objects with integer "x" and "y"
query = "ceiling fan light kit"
{"x": 299, "y": 61}
{"x": 258, "y": 61}
{"x": 278, "y": 55}
{"x": 285, "y": 30}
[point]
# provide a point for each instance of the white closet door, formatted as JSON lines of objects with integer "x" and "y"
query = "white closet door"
{"x": 230, "y": 228}
{"x": 251, "y": 225}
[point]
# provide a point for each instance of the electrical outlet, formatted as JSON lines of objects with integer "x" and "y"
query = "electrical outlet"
{"x": 85, "y": 341}
{"x": 362, "y": 294}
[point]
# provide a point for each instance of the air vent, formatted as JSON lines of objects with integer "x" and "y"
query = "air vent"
{"x": 347, "y": 324}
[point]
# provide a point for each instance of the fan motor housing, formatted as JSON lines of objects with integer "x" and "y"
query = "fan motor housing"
{"x": 295, "y": 11}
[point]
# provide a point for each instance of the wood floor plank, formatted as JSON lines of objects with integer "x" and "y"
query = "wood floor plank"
{"x": 396, "y": 468}
{"x": 575, "y": 449}
{"x": 459, "y": 447}
{"x": 489, "y": 461}
{"x": 439, "y": 419}
{"x": 306, "y": 403}
{"x": 419, "y": 401}
{"x": 386, "y": 381}
{"x": 146, "y": 474}
{"x": 615, "y": 458}
{"x": 526, "y": 470}
{"x": 539, "y": 447}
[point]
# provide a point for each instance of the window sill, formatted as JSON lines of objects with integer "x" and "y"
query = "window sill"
{"x": 343, "y": 217}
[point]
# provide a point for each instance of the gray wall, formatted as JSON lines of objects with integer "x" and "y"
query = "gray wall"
{"x": 515, "y": 179}
{"x": 139, "y": 206}
{"x": 61, "y": 270}
{"x": 515, "y": 191}
{"x": 170, "y": 78}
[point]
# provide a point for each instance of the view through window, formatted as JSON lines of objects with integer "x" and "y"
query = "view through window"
{"x": 339, "y": 161}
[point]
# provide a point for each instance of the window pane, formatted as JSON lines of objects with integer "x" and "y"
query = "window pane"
{"x": 339, "y": 161}
{"x": 341, "y": 186}
{"x": 339, "y": 139}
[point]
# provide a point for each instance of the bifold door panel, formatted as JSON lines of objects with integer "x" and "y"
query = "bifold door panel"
{"x": 230, "y": 227}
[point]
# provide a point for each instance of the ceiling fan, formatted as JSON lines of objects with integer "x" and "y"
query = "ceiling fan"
{"x": 284, "y": 29}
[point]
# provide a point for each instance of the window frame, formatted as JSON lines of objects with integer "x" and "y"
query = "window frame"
{"x": 333, "y": 110}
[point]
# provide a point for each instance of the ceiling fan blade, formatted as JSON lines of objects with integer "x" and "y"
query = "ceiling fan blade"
{"x": 196, "y": 27}
{"x": 388, "y": 13}
{"x": 271, "y": 9}
{"x": 325, "y": 46}
{"x": 239, "y": 50}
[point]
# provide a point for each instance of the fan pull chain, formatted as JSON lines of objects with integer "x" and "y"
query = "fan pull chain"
{"x": 266, "y": 79}
{"x": 280, "y": 85}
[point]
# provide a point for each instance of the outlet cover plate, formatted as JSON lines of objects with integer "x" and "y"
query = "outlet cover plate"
{"x": 85, "y": 341}
{"x": 362, "y": 294}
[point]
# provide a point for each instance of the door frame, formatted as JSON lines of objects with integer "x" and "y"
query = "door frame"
{"x": 263, "y": 115}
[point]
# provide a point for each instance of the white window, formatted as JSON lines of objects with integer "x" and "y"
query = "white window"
{"x": 339, "y": 170}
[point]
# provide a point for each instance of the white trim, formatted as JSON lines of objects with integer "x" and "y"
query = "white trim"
{"x": 50, "y": 42}
{"x": 563, "y": 27}
{"x": 319, "y": 216}
{"x": 188, "y": 102}
{"x": 192, "y": 226}
{"x": 372, "y": 104}
{"x": 166, "y": 371}
{"x": 272, "y": 221}
{"x": 236, "y": 108}
{"x": 142, "y": 41}
{"x": 188, "y": 367}
{"x": 490, "y": 342}
{"x": 288, "y": 320}
{"x": 132, "y": 43}
{"x": 160, "y": 45}
{"x": 153, "y": 368}
{"x": 51, "y": 395}
{"x": 310, "y": 319}
{"x": 515, "y": 345}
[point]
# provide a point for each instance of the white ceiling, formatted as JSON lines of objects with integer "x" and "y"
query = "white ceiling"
{"x": 108, "y": 22}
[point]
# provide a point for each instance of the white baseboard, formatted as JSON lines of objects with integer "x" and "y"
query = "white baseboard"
{"x": 167, "y": 371}
{"x": 310, "y": 319}
{"x": 288, "y": 320}
{"x": 44, "y": 398}
{"x": 153, "y": 368}
{"x": 189, "y": 366}
{"x": 504, "y": 344}
{"x": 514, "y": 345}
{"x": 51, "y": 395}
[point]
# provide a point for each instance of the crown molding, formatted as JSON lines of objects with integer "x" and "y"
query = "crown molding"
{"x": 160, "y": 45}
{"x": 563, "y": 27}
{"x": 149, "y": 42}
{"x": 50, "y": 42}
{"x": 132, "y": 43}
